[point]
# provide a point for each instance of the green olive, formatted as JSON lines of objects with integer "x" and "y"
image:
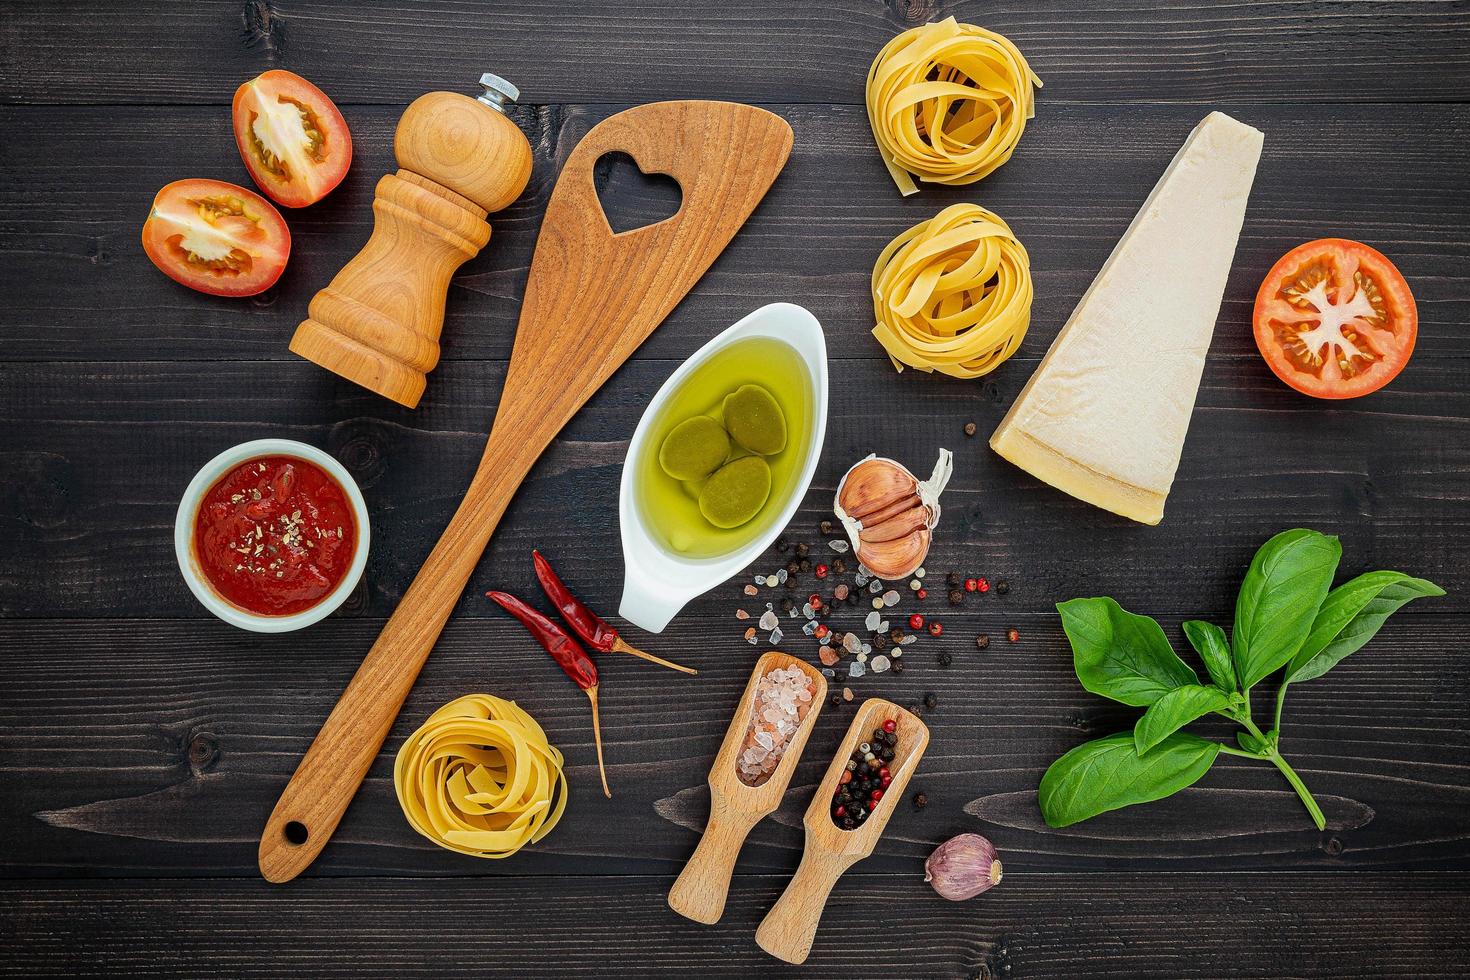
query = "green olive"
{"x": 736, "y": 492}
{"x": 694, "y": 448}
{"x": 755, "y": 420}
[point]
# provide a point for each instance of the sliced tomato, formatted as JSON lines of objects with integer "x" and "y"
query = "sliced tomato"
{"x": 216, "y": 237}
{"x": 1335, "y": 319}
{"x": 292, "y": 137}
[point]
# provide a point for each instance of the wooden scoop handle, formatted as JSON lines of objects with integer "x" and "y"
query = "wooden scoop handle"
{"x": 332, "y": 769}
{"x": 789, "y": 928}
{"x": 700, "y": 891}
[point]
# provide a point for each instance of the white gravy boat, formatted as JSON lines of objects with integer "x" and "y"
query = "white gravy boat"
{"x": 657, "y": 580}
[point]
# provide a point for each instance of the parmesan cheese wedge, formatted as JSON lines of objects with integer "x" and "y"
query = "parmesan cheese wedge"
{"x": 1105, "y": 415}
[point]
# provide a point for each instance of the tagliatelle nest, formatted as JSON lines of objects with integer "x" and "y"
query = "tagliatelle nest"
{"x": 953, "y": 294}
{"x": 948, "y": 103}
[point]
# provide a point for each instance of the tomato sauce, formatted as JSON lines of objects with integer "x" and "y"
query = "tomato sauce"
{"x": 275, "y": 535}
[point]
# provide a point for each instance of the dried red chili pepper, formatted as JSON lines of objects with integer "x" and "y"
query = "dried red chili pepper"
{"x": 568, "y": 655}
{"x": 593, "y": 629}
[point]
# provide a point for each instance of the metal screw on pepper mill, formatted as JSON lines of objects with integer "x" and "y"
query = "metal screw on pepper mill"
{"x": 378, "y": 322}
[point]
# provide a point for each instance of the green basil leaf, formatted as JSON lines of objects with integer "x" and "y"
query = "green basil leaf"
{"x": 1108, "y": 773}
{"x": 1175, "y": 710}
{"x": 1249, "y": 742}
{"x": 1120, "y": 655}
{"x": 1350, "y": 616}
{"x": 1209, "y": 642}
{"x": 1279, "y": 599}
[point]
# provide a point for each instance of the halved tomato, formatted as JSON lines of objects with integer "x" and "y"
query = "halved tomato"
{"x": 1335, "y": 319}
{"x": 216, "y": 237}
{"x": 292, "y": 138}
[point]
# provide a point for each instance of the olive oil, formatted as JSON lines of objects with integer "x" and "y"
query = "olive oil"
{"x": 670, "y": 507}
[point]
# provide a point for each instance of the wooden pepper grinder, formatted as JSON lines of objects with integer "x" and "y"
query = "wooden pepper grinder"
{"x": 377, "y": 323}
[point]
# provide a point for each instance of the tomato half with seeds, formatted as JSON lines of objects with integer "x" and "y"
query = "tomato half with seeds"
{"x": 216, "y": 237}
{"x": 1335, "y": 319}
{"x": 292, "y": 137}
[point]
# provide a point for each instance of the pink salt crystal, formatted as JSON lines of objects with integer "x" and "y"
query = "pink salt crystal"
{"x": 752, "y": 590}
{"x": 828, "y": 655}
{"x": 741, "y": 614}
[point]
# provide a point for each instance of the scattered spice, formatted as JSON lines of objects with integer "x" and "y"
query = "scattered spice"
{"x": 971, "y": 585}
{"x": 982, "y": 641}
{"x": 1013, "y": 634}
{"x": 931, "y": 701}
{"x": 916, "y": 622}
{"x": 847, "y": 694}
{"x": 969, "y": 428}
{"x": 920, "y": 800}
{"x": 936, "y": 628}
{"x": 955, "y": 580}
{"x": 956, "y": 597}
{"x": 1002, "y": 586}
{"x": 983, "y": 584}
{"x": 783, "y": 697}
{"x": 945, "y": 659}
{"x": 862, "y": 784}
{"x": 922, "y": 593}
{"x": 822, "y": 571}
{"x": 802, "y": 550}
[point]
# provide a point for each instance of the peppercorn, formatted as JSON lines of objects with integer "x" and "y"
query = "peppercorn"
{"x": 848, "y": 823}
{"x": 802, "y": 549}
{"x": 920, "y": 800}
{"x": 916, "y": 622}
{"x": 1002, "y": 586}
{"x": 982, "y": 641}
{"x": 826, "y": 528}
{"x": 971, "y": 585}
{"x": 792, "y": 567}
{"x": 931, "y": 701}
{"x": 822, "y": 571}
{"x": 782, "y": 544}
{"x": 787, "y": 604}
{"x": 1013, "y": 634}
{"x": 936, "y": 628}
{"x": 792, "y": 582}
{"x": 838, "y": 566}
{"x": 897, "y": 667}
{"x": 876, "y": 795}
{"x": 969, "y": 428}
{"x": 850, "y": 767}
{"x": 896, "y": 635}
{"x": 922, "y": 593}
{"x": 836, "y": 700}
{"x": 886, "y": 754}
{"x": 956, "y": 597}
{"x": 954, "y": 579}
{"x": 880, "y": 642}
{"x": 803, "y": 566}
{"x": 945, "y": 659}
{"x": 983, "y": 584}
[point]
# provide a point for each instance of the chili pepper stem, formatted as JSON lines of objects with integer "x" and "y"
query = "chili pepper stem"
{"x": 621, "y": 646}
{"x": 597, "y": 735}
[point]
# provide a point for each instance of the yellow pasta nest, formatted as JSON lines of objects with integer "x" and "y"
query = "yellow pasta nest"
{"x": 948, "y": 103}
{"x": 480, "y": 778}
{"x": 953, "y": 294}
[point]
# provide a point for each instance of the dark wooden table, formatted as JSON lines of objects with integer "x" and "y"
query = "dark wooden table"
{"x": 143, "y": 743}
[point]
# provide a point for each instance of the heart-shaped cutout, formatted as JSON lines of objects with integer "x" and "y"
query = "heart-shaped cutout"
{"x": 630, "y": 198}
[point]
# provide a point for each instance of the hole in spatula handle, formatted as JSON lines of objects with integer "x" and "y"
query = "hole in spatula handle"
{"x": 630, "y": 198}
{"x": 295, "y": 833}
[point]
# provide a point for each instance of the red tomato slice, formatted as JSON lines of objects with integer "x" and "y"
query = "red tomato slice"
{"x": 216, "y": 237}
{"x": 1335, "y": 319}
{"x": 292, "y": 138}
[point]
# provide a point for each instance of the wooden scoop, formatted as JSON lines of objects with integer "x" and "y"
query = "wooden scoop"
{"x": 592, "y": 297}
{"x": 734, "y": 807}
{"x": 789, "y": 928}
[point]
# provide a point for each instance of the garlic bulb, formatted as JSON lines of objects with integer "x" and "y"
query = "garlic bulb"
{"x": 963, "y": 867}
{"x": 889, "y": 513}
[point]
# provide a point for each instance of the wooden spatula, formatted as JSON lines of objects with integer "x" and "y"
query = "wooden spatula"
{"x": 734, "y": 808}
{"x": 592, "y": 297}
{"x": 789, "y": 928}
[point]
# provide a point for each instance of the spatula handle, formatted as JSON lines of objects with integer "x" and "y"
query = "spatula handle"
{"x": 334, "y": 766}
{"x": 700, "y": 891}
{"x": 789, "y": 928}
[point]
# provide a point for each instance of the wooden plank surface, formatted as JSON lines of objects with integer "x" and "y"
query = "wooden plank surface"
{"x": 142, "y": 743}
{"x": 389, "y": 51}
{"x": 1133, "y": 925}
{"x": 1076, "y": 181}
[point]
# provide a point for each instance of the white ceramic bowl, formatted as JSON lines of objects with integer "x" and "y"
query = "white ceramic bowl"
{"x": 658, "y": 582}
{"x": 210, "y": 474}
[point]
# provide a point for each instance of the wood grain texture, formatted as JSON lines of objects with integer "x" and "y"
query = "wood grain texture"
{"x": 790, "y": 927}
{"x": 156, "y": 748}
{"x": 98, "y": 453}
{"x": 378, "y": 322}
{"x": 591, "y": 299}
{"x": 1076, "y": 181}
{"x": 1130, "y": 925}
{"x": 142, "y": 742}
{"x": 735, "y": 806}
{"x": 390, "y": 51}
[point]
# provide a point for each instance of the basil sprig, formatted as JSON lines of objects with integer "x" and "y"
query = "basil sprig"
{"x": 1287, "y": 618}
